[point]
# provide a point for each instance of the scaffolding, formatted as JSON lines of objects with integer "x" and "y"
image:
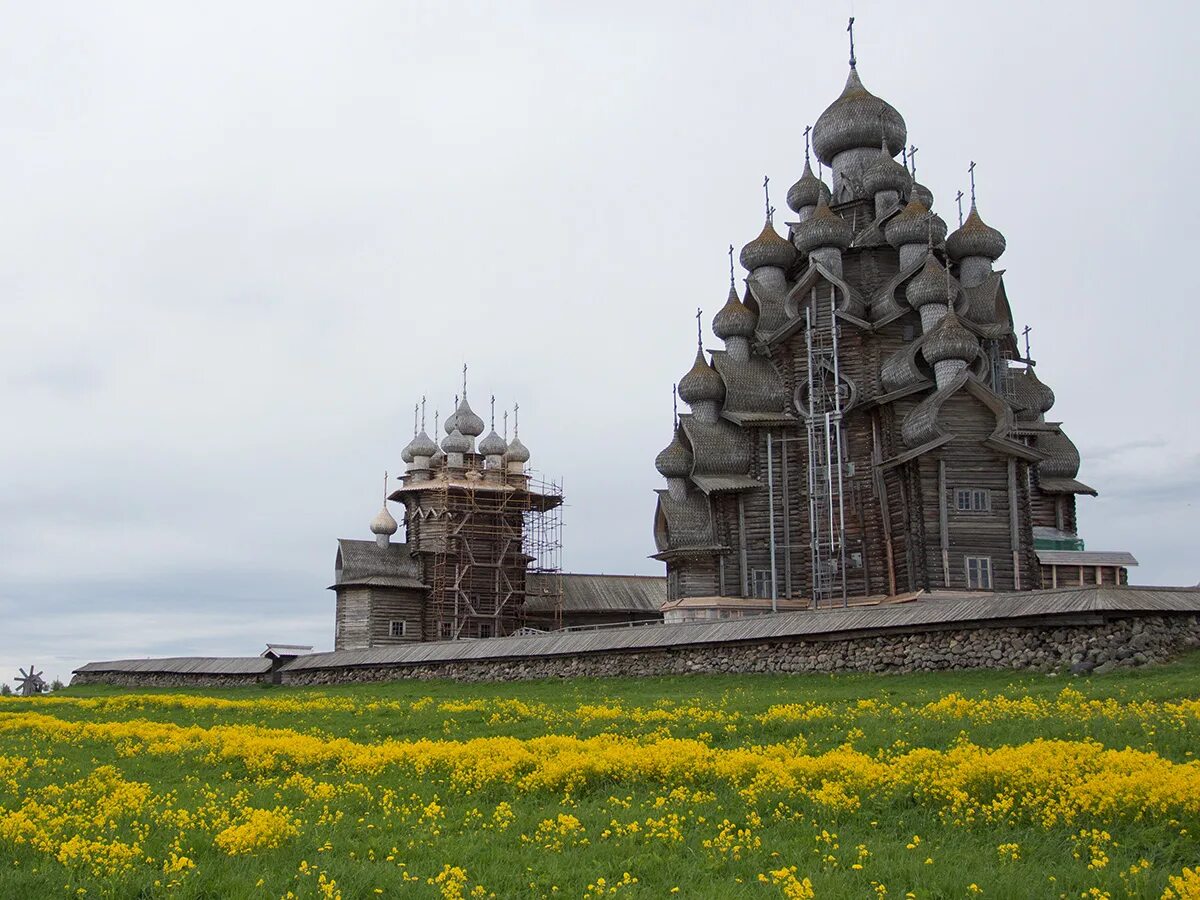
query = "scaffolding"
{"x": 495, "y": 527}
{"x": 826, "y": 505}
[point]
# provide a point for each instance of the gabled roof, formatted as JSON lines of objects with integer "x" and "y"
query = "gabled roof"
{"x": 184, "y": 665}
{"x": 596, "y": 593}
{"x": 921, "y": 426}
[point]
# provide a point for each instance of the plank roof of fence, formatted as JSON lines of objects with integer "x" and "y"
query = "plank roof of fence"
{"x": 930, "y": 611}
{"x": 597, "y": 593}
{"x": 184, "y": 665}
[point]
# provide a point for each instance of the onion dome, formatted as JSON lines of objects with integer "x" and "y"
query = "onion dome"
{"x": 493, "y": 445}
{"x": 701, "y": 383}
{"x": 465, "y": 420}
{"x": 912, "y": 225}
{"x": 734, "y": 319}
{"x": 1029, "y": 395}
{"x": 950, "y": 340}
{"x": 824, "y": 228}
{"x": 975, "y": 238}
{"x": 808, "y": 191}
{"x": 768, "y": 249}
{"x": 384, "y": 523}
{"x": 929, "y": 285}
{"x": 517, "y": 452}
{"x": 857, "y": 119}
{"x": 421, "y": 445}
{"x": 675, "y": 460}
{"x": 456, "y": 442}
{"x": 1063, "y": 461}
{"x": 885, "y": 174}
{"x": 922, "y": 193}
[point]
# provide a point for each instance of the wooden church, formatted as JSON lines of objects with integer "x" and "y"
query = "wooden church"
{"x": 871, "y": 425}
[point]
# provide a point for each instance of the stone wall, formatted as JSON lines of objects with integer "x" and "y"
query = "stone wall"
{"x": 166, "y": 679}
{"x": 1098, "y": 646}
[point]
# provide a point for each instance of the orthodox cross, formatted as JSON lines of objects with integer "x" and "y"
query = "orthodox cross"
{"x": 731, "y": 282}
{"x": 437, "y": 415}
{"x": 493, "y": 412}
{"x": 767, "y": 195}
{"x": 959, "y": 197}
{"x": 971, "y": 170}
{"x": 807, "y": 129}
{"x": 464, "y": 381}
{"x": 904, "y": 156}
{"x": 675, "y": 404}
{"x": 850, "y": 29}
{"x": 1025, "y": 333}
{"x": 416, "y": 409}
{"x": 506, "y": 426}
{"x": 699, "y": 333}
{"x": 422, "y": 412}
{"x": 912, "y": 158}
{"x": 385, "y": 488}
{"x": 516, "y": 419}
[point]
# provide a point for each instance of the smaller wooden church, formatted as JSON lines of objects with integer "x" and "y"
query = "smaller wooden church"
{"x": 481, "y": 552}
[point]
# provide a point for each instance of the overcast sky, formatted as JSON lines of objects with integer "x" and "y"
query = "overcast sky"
{"x": 239, "y": 240}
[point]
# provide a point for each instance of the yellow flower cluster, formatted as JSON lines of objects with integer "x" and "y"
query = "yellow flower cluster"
{"x": 258, "y": 830}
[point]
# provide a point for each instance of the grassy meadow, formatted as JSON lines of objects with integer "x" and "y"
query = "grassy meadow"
{"x": 949, "y": 785}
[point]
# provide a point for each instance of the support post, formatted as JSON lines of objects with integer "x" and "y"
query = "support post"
{"x": 745, "y": 574}
{"x": 771, "y": 515}
{"x": 943, "y": 515}
{"x": 1013, "y": 523}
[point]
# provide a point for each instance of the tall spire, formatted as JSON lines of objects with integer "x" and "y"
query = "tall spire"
{"x": 850, "y": 29}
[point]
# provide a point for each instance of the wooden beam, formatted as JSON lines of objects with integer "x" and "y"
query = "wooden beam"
{"x": 1013, "y": 523}
{"x": 944, "y": 522}
{"x": 742, "y": 564}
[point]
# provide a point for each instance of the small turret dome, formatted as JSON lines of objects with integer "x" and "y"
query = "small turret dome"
{"x": 517, "y": 452}
{"x": 930, "y": 285}
{"x": 975, "y": 238}
{"x": 922, "y": 193}
{"x": 1030, "y": 396}
{"x": 734, "y": 319}
{"x": 675, "y": 460}
{"x": 885, "y": 174}
{"x": 421, "y": 445}
{"x": 383, "y": 523}
{"x": 465, "y": 420}
{"x": 950, "y": 340}
{"x": 824, "y": 228}
{"x": 701, "y": 383}
{"x": 808, "y": 191}
{"x": 1064, "y": 456}
{"x": 857, "y": 119}
{"x": 456, "y": 442}
{"x": 768, "y": 249}
{"x": 493, "y": 445}
{"x": 912, "y": 226}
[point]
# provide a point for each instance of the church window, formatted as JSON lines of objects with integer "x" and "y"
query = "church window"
{"x": 762, "y": 582}
{"x": 485, "y": 629}
{"x": 979, "y": 573}
{"x": 973, "y": 500}
{"x": 397, "y": 628}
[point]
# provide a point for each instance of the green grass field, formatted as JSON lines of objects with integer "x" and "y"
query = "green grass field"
{"x": 947, "y": 785}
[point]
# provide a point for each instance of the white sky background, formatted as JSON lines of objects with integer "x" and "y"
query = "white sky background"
{"x": 240, "y": 240}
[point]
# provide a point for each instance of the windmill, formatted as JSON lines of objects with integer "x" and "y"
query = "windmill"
{"x": 31, "y": 682}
